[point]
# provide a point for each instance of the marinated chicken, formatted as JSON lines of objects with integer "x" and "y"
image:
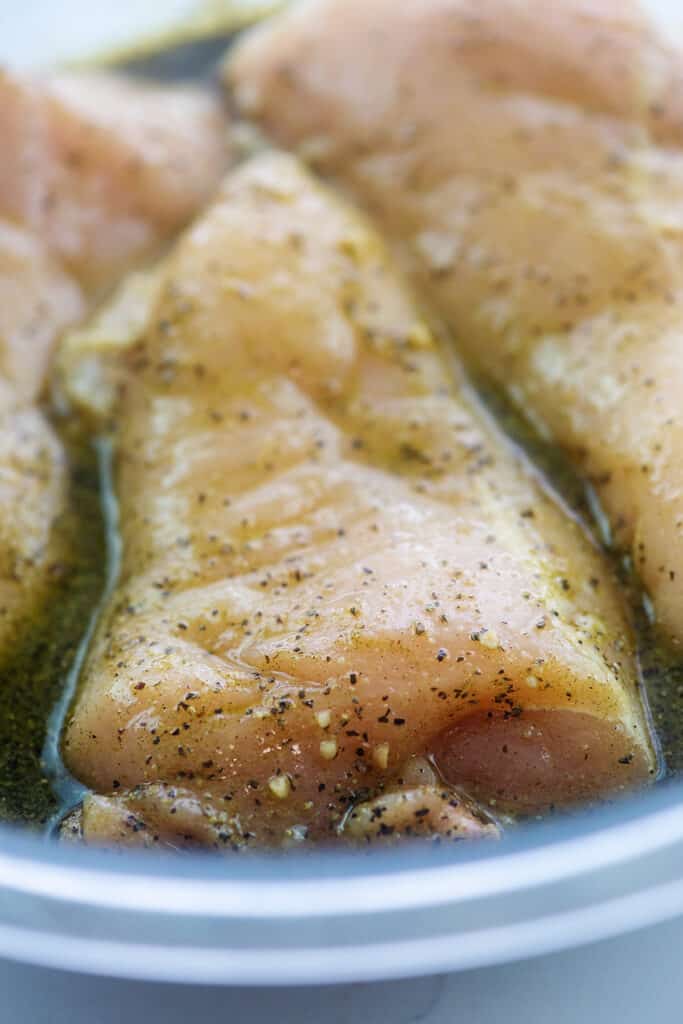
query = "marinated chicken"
{"x": 36, "y": 299}
{"x": 526, "y": 161}
{"x": 103, "y": 169}
{"x": 92, "y": 178}
{"x": 346, "y": 606}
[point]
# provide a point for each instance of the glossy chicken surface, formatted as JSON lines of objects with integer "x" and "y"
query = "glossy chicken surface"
{"x": 37, "y": 299}
{"x": 92, "y": 178}
{"x": 342, "y": 592}
{"x": 525, "y": 160}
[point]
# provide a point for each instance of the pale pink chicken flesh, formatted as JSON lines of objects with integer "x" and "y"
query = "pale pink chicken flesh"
{"x": 342, "y": 590}
{"x": 37, "y": 299}
{"x": 95, "y": 174}
{"x": 103, "y": 169}
{"x": 525, "y": 159}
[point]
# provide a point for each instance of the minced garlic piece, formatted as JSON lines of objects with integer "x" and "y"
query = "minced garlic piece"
{"x": 488, "y": 638}
{"x": 380, "y": 755}
{"x": 280, "y": 786}
{"x": 323, "y": 719}
{"x": 328, "y": 749}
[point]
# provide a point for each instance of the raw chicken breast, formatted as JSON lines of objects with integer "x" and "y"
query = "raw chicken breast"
{"x": 33, "y": 496}
{"x": 525, "y": 160}
{"x": 102, "y": 169}
{"x": 341, "y": 590}
{"x": 37, "y": 299}
{"x": 95, "y": 173}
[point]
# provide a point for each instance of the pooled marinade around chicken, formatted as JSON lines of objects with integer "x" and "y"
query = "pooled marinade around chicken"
{"x": 342, "y": 592}
{"x": 89, "y": 183}
{"x": 526, "y": 161}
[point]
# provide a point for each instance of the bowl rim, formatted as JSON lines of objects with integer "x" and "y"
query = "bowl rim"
{"x": 543, "y": 851}
{"x": 333, "y": 917}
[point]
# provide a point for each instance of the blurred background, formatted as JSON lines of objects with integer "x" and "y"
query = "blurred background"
{"x": 42, "y": 32}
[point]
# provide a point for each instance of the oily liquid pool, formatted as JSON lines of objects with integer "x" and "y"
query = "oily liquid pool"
{"x": 32, "y": 676}
{"x": 68, "y": 791}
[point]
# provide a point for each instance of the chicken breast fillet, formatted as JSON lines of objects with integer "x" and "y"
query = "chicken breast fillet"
{"x": 37, "y": 299}
{"x": 526, "y": 161}
{"x": 103, "y": 169}
{"x": 92, "y": 178}
{"x": 333, "y": 563}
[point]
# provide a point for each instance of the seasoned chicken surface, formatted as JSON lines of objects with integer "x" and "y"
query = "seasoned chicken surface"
{"x": 92, "y": 178}
{"x": 526, "y": 161}
{"x": 103, "y": 169}
{"x": 342, "y": 593}
{"x": 37, "y": 299}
